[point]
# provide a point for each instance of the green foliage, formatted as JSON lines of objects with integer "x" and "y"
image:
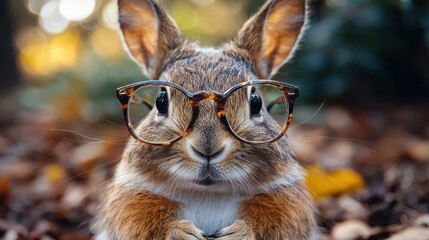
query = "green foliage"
{"x": 364, "y": 51}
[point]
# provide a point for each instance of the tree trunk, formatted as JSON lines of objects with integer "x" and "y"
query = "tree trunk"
{"x": 9, "y": 75}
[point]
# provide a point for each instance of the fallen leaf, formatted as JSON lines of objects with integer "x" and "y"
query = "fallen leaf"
{"x": 54, "y": 173}
{"x": 350, "y": 230}
{"x": 412, "y": 233}
{"x": 418, "y": 150}
{"x": 423, "y": 221}
{"x": 87, "y": 156}
{"x": 4, "y": 186}
{"x": 323, "y": 183}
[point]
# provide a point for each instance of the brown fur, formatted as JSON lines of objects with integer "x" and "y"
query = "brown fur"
{"x": 271, "y": 34}
{"x": 142, "y": 215}
{"x": 129, "y": 210}
{"x": 287, "y": 212}
{"x": 145, "y": 36}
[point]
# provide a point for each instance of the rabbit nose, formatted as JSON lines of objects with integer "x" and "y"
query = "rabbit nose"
{"x": 207, "y": 154}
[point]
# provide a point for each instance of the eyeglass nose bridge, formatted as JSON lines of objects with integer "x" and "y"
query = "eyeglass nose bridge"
{"x": 203, "y": 95}
{"x": 218, "y": 98}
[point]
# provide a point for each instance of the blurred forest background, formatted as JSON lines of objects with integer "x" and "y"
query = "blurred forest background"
{"x": 363, "y": 69}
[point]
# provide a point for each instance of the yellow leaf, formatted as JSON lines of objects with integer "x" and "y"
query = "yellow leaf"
{"x": 323, "y": 183}
{"x": 54, "y": 173}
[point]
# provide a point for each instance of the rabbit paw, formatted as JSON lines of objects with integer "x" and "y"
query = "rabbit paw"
{"x": 184, "y": 230}
{"x": 238, "y": 230}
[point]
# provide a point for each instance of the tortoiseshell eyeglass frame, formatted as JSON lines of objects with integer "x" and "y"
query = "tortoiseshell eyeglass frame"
{"x": 290, "y": 92}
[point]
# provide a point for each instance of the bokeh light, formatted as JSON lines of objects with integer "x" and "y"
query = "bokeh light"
{"x": 70, "y": 31}
{"x": 45, "y": 56}
{"x": 107, "y": 44}
{"x": 110, "y": 15}
{"x": 50, "y": 18}
{"x": 208, "y": 21}
{"x": 77, "y": 10}
{"x": 186, "y": 16}
{"x": 35, "y": 6}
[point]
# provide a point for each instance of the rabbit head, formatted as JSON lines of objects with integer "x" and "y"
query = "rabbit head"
{"x": 209, "y": 158}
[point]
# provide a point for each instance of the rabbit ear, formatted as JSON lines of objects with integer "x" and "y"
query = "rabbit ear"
{"x": 149, "y": 33}
{"x": 271, "y": 36}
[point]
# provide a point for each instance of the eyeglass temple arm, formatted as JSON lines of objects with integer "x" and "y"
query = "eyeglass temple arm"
{"x": 147, "y": 104}
{"x": 141, "y": 100}
{"x": 279, "y": 100}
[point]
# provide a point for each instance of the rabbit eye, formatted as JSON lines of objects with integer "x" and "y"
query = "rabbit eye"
{"x": 162, "y": 102}
{"x": 255, "y": 104}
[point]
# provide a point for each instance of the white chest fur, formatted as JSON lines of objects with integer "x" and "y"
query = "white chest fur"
{"x": 209, "y": 212}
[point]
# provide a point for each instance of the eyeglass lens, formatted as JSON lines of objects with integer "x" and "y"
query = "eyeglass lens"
{"x": 257, "y": 113}
{"x": 152, "y": 116}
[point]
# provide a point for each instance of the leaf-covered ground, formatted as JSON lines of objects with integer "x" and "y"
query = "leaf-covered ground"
{"x": 368, "y": 170}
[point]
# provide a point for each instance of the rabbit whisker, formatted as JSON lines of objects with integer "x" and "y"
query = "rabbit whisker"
{"x": 311, "y": 117}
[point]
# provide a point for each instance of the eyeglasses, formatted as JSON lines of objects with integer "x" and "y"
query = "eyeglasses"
{"x": 160, "y": 112}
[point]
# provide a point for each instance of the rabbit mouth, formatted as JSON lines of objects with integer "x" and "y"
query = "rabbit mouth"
{"x": 208, "y": 175}
{"x": 207, "y": 181}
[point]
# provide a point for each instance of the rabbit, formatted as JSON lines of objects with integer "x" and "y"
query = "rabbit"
{"x": 157, "y": 191}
